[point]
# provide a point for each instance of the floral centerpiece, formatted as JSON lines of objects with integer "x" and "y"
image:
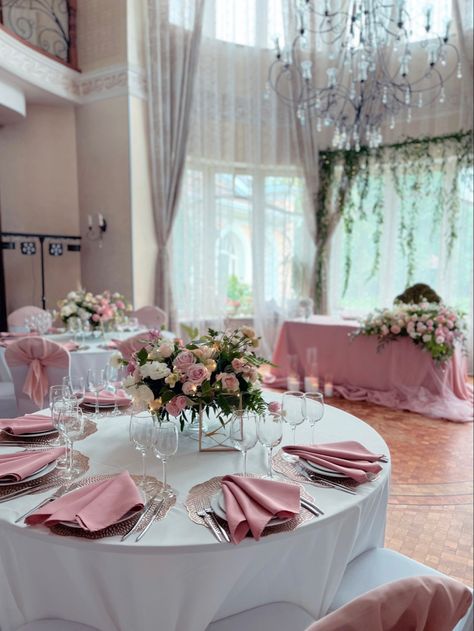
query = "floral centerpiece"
{"x": 181, "y": 381}
{"x": 433, "y": 326}
{"x": 96, "y": 309}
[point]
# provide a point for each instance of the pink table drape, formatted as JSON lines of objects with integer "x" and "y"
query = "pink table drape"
{"x": 400, "y": 375}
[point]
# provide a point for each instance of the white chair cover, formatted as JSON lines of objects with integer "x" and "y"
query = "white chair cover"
{"x": 150, "y": 316}
{"x": 16, "y": 319}
{"x": 55, "y": 625}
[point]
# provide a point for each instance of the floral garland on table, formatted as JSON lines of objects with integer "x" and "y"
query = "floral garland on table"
{"x": 434, "y": 326}
{"x": 180, "y": 381}
{"x": 98, "y": 309}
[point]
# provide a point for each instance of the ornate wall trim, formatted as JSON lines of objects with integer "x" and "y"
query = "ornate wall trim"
{"x": 51, "y": 76}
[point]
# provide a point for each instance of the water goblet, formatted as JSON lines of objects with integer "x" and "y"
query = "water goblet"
{"x": 142, "y": 437}
{"x": 96, "y": 382}
{"x": 270, "y": 432}
{"x": 77, "y": 388}
{"x": 114, "y": 376}
{"x": 243, "y": 433}
{"x": 165, "y": 444}
{"x": 73, "y": 424}
{"x": 314, "y": 409}
{"x": 59, "y": 409}
{"x": 293, "y": 409}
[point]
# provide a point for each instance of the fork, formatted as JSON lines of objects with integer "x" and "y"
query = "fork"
{"x": 59, "y": 493}
{"x": 220, "y": 527}
{"x": 210, "y": 524}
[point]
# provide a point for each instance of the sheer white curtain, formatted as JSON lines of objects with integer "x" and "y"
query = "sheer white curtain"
{"x": 241, "y": 249}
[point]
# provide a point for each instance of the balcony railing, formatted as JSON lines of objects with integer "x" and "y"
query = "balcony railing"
{"x": 48, "y": 26}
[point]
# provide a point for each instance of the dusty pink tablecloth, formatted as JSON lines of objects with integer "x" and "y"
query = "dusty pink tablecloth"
{"x": 401, "y": 375}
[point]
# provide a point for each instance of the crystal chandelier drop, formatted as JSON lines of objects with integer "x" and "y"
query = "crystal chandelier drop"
{"x": 374, "y": 71}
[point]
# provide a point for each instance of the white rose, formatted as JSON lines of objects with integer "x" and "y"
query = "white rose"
{"x": 71, "y": 295}
{"x": 66, "y": 311}
{"x": 427, "y": 337}
{"x": 154, "y": 370}
{"x": 129, "y": 384}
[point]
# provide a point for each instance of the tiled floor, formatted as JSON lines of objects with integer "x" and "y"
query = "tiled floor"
{"x": 430, "y": 513}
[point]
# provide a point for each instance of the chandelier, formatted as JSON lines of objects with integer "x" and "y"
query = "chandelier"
{"x": 374, "y": 71}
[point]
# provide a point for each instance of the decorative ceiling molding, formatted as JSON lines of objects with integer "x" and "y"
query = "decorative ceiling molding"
{"x": 50, "y": 76}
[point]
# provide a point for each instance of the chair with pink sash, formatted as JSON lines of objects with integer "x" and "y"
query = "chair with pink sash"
{"x": 134, "y": 343}
{"x": 35, "y": 364}
{"x": 16, "y": 319}
{"x": 381, "y": 590}
{"x": 150, "y": 316}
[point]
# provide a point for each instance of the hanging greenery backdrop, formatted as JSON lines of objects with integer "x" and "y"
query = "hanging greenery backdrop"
{"x": 352, "y": 187}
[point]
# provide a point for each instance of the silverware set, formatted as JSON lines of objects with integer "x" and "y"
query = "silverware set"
{"x": 314, "y": 477}
{"x": 151, "y": 510}
{"x": 211, "y": 521}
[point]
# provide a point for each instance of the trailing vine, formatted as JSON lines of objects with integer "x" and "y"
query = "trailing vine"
{"x": 352, "y": 188}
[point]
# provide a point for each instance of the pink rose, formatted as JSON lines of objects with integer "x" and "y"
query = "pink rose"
{"x": 184, "y": 360}
{"x": 229, "y": 381}
{"x": 395, "y": 329}
{"x": 165, "y": 350}
{"x": 440, "y": 339}
{"x": 189, "y": 388}
{"x": 384, "y": 330}
{"x": 96, "y": 317}
{"x": 274, "y": 407}
{"x": 120, "y": 304}
{"x": 176, "y": 405}
{"x": 251, "y": 374}
{"x": 237, "y": 365}
{"x": 131, "y": 367}
{"x": 197, "y": 373}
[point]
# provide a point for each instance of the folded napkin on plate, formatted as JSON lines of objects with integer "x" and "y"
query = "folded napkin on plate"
{"x": 20, "y": 465}
{"x": 347, "y": 457}
{"x": 106, "y": 398}
{"x": 250, "y": 503}
{"x": 94, "y": 506}
{"x": 27, "y": 424}
{"x": 111, "y": 344}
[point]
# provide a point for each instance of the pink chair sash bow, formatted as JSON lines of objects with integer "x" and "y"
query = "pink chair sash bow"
{"x": 38, "y": 354}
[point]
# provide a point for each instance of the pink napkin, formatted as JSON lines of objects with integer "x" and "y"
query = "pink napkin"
{"x": 250, "y": 503}
{"x": 70, "y": 346}
{"x": 111, "y": 344}
{"x": 20, "y": 465}
{"x": 27, "y": 424}
{"x": 94, "y": 506}
{"x": 106, "y": 398}
{"x": 348, "y": 457}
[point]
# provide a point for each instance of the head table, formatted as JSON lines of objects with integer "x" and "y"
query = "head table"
{"x": 178, "y": 577}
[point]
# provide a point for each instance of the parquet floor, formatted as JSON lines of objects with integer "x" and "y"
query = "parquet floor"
{"x": 430, "y": 513}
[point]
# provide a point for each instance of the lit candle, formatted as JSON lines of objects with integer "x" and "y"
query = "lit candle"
{"x": 89, "y": 221}
{"x": 293, "y": 383}
{"x": 311, "y": 384}
{"x": 328, "y": 389}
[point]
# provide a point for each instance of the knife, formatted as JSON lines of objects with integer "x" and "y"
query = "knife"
{"x": 31, "y": 489}
{"x": 145, "y": 512}
{"x": 152, "y": 519}
{"x": 334, "y": 485}
{"x": 312, "y": 508}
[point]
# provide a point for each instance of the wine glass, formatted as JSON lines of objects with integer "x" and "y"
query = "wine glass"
{"x": 77, "y": 388}
{"x": 165, "y": 444}
{"x": 270, "y": 432}
{"x": 73, "y": 424}
{"x": 141, "y": 436}
{"x": 243, "y": 433}
{"x": 59, "y": 409}
{"x": 96, "y": 383}
{"x": 314, "y": 409}
{"x": 114, "y": 376}
{"x": 293, "y": 409}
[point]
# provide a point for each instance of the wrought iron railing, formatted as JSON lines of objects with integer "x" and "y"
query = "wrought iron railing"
{"x": 46, "y": 25}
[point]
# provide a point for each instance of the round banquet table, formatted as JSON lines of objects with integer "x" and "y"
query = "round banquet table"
{"x": 95, "y": 355}
{"x": 178, "y": 577}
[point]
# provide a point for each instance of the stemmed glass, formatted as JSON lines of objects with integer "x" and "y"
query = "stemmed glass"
{"x": 73, "y": 427}
{"x": 243, "y": 433}
{"x": 165, "y": 444}
{"x": 96, "y": 383}
{"x": 114, "y": 376}
{"x": 314, "y": 409}
{"x": 270, "y": 432}
{"x": 77, "y": 388}
{"x": 58, "y": 393}
{"x": 142, "y": 436}
{"x": 293, "y": 410}
{"x": 59, "y": 409}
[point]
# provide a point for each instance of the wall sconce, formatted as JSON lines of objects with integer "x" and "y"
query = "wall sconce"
{"x": 96, "y": 234}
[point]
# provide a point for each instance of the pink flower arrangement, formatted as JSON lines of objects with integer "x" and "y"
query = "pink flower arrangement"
{"x": 218, "y": 372}
{"x": 99, "y": 309}
{"x": 433, "y": 326}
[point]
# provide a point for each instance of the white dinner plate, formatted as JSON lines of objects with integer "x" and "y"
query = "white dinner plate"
{"x": 31, "y": 434}
{"x": 322, "y": 470}
{"x": 217, "y": 503}
{"x": 47, "y": 468}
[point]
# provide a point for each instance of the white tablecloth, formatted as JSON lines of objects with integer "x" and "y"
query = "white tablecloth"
{"x": 178, "y": 578}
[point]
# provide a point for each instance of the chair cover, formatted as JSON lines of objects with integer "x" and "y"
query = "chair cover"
{"x": 421, "y": 603}
{"x": 55, "y": 625}
{"x": 151, "y": 317}
{"x": 131, "y": 344}
{"x": 16, "y": 319}
{"x": 35, "y": 364}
